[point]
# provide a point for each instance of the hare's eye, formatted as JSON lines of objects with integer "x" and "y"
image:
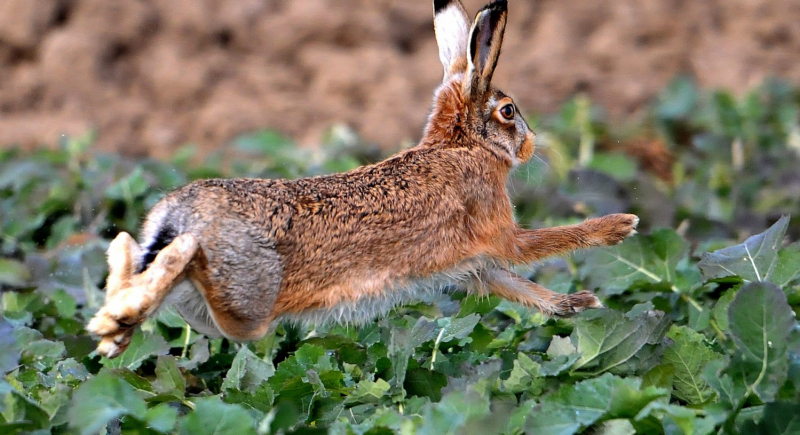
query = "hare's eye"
{"x": 507, "y": 111}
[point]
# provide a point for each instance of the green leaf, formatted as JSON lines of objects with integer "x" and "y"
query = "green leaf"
{"x": 617, "y": 165}
{"x": 676, "y": 419}
{"x": 677, "y": 100}
{"x": 754, "y": 260}
{"x": 20, "y": 411}
{"x": 198, "y": 354}
{"x": 169, "y": 379}
{"x": 425, "y": 383}
{"x": 477, "y": 304}
{"x": 786, "y": 270}
{"x": 214, "y": 417}
{"x": 9, "y": 352}
{"x": 526, "y": 375}
{"x": 101, "y": 399}
{"x": 760, "y": 323}
{"x": 130, "y": 187}
{"x": 640, "y": 259}
{"x": 458, "y": 328}
{"x": 368, "y": 391}
{"x": 453, "y": 413}
{"x": 13, "y": 273}
{"x": 260, "y": 400}
{"x": 617, "y": 426}
{"x": 779, "y": 418}
{"x": 161, "y": 417}
{"x": 247, "y": 371}
{"x": 578, "y": 406}
{"x": 721, "y": 308}
{"x": 689, "y": 356}
{"x": 607, "y": 338}
{"x": 143, "y": 346}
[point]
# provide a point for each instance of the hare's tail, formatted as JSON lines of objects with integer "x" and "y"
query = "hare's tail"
{"x": 153, "y": 245}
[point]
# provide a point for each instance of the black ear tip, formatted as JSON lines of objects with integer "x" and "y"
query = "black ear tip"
{"x": 497, "y": 6}
{"x": 438, "y": 5}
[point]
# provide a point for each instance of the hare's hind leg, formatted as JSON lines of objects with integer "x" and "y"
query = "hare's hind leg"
{"x": 130, "y": 297}
{"x": 515, "y": 288}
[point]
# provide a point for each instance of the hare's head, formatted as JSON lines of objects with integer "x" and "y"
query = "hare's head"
{"x": 467, "y": 109}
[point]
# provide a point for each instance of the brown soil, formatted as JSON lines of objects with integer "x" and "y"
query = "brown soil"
{"x": 150, "y": 75}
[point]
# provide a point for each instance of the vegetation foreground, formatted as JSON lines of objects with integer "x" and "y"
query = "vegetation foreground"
{"x": 700, "y": 335}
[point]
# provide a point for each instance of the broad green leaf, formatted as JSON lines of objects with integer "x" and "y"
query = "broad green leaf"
{"x": 649, "y": 259}
{"x": 677, "y": 100}
{"x": 578, "y": 406}
{"x": 525, "y": 376}
{"x": 19, "y": 411}
{"x": 676, "y": 419}
{"x": 368, "y": 392}
{"x": 214, "y": 417}
{"x": 660, "y": 376}
{"x": 607, "y": 339}
{"x": 261, "y": 399}
{"x": 779, "y": 418}
{"x": 101, "y": 399}
{"x": 730, "y": 389}
{"x": 9, "y": 351}
{"x": 169, "y": 379}
{"x": 477, "y": 304}
{"x": 689, "y": 356}
{"x": 787, "y": 266}
{"x": 402, "y": 343}
{"x": 13, "y": 273}
{"x": 247, "y": 371}
{"x": 425, "y": 383}
{"x": 198, "y": 354}
{"x": 161, "y": 417}
{"x": 721, "y": 308}
{"x": 458, "y": 328}
{"x": 618, "y": 165}
{"x": 143, "y": 346}
{"x": 452, "y": 414}
{"x": 617, "y": 426}
{"x": 760, "y": 323}
{"x": 130, "y": 187}
{"x": 754, "y": 260}
{"x": 308, "y": 356}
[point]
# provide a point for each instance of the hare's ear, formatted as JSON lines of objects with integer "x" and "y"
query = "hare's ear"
{"x": 451, "y": 23}
{"x": 485, "y": 39}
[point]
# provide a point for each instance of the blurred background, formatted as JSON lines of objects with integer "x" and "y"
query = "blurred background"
{"x": 148, "y": 76}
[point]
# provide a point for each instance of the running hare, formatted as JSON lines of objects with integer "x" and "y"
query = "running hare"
{"x": 234, "y": 256}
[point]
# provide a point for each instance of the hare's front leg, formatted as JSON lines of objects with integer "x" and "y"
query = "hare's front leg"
{"x": 513, "y": 287}
{"x": 528, "y": 246}
{"x": 131, "y": 298}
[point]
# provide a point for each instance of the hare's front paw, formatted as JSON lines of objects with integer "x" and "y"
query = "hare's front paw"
{"x": 611, "y": 229}
{"x": 575, "y": 303}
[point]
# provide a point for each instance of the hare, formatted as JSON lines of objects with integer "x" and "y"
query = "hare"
{"x": 236, "y": 255}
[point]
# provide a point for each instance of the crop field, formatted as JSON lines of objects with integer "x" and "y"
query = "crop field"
{"x": 699, "y": 334}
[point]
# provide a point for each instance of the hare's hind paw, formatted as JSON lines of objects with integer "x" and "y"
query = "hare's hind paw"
{"x": 130, "y": 299}
{"x": 611, "y": 229}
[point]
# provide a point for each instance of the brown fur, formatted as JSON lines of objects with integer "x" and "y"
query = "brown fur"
{"x": 258, "y": 250}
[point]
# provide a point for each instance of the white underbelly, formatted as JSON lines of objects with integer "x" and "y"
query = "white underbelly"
{"x": 376, "y": 304}
{"x": 191, "y": 305}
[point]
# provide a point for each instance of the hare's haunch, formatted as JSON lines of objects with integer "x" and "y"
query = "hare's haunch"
{"x": 234, "y": 256}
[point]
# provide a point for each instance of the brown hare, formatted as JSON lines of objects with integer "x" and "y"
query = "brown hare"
{"x": 234, "y": 256}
